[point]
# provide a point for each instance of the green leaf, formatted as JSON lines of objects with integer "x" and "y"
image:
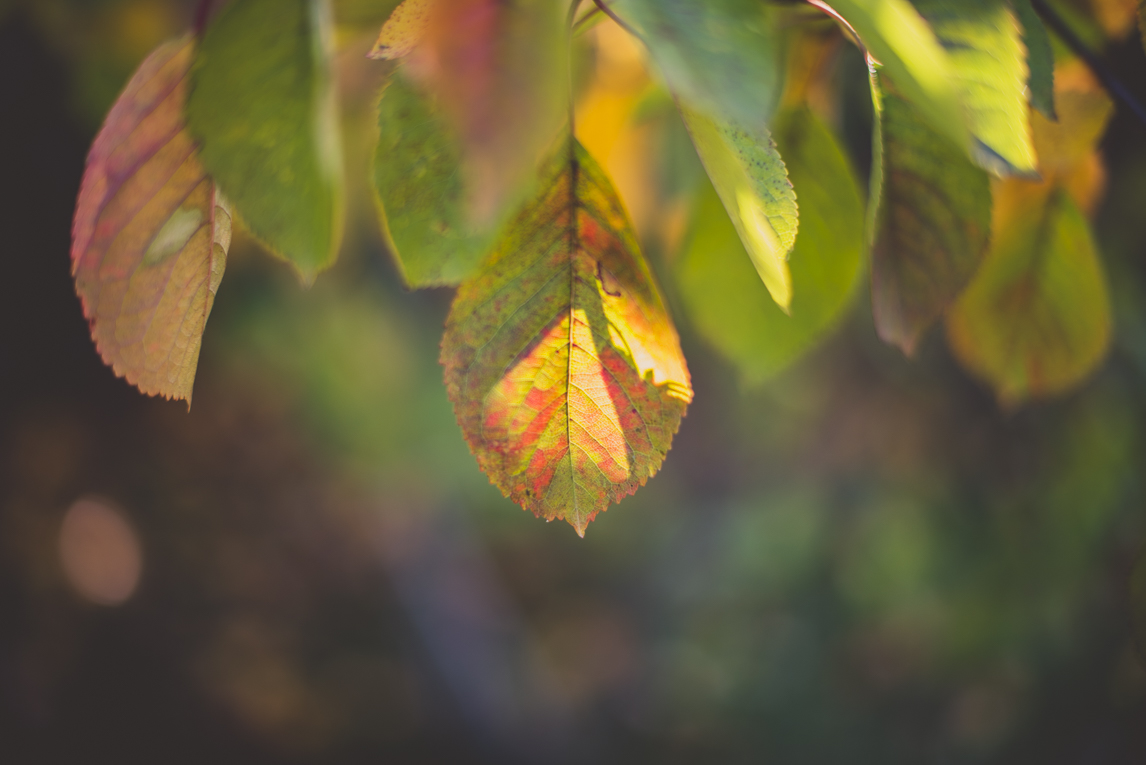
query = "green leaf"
{"x": 150, "y": 236}
{"x": 1035, "y": 321}
{"x": 420, "y": 191}
{"x": 730, "y": 307}
{"x": 1040, "y": 57}
{"x": 983, "y": 40}
{"x": 262, "y": 106}
{"x": 750, "y": 178}
{"x": 562, "y": 363}
{"x": 933, "y": 225}
{"x": 906, "y": 47}
{"x": 718, "y": 56}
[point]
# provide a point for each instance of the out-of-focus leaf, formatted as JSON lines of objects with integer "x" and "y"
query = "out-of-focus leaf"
{"x": 1040, "y": 57}
{"x": 150, "y": 236}
{"x": 1083, "y": 113}
{"x": 933, "y": 226}
{"x": 1142, "y": 21}
{"x": 718, "y": 56}
{"x": 262, "y": 106}
{"x": 498, "y": 72}
{"x": 749, "y": 175}
{"x": 403, "y": 30}
{"x": 1035, "y": 320}
{"x": 901, "y": 40}
{"x": 983, "y": 40}
{"x": 421, "y": 195}
{"x": 724, "y": 299}
{"x": 562, "y": 363}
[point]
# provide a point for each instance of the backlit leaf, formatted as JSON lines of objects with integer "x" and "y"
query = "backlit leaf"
{"x": 933, "y": 226}
{"x": 419, "y": 187}
{"x": 983, "y": 40}
{"x": 718, "y": 56}
{"x": 1035, "y": 321}
{"x": 901, "y": 40}
{"x": 403, "y": 30}
{"x": 748, "y": 174}
{"x": 497, "y": 70}
{"x": 1040, "y": 57}
{"x": 150, "y": 236}
{"x": 729, "y": 305}
{"x": 263, "y": 108}
{"x": 562, "y": 363}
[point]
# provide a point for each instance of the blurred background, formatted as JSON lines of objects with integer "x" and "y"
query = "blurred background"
{"x": 863, "y": 560}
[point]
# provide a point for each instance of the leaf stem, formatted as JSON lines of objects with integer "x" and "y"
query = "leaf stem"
{"x": 571, "y": 24}
{"x": 619, "y": 21}
{"x": 202, "y": 16}
{"x": 1113, "y": 85}
{"x": 846, "y": 26}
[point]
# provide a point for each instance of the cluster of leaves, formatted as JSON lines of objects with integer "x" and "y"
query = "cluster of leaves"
{"x": 560, "y": 357}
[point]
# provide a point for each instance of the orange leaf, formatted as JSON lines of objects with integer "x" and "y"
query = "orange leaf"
{"x": 150, "y": 235}
{"x": 403, "y": 30}
{"x": 562, "y": 363}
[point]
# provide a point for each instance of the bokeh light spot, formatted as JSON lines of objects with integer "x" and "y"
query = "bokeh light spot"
{"x": 100, "y": 552}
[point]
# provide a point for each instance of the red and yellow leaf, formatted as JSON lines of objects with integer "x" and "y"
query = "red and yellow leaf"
{"x": 562, "y": 363}
{"x": 150, "y": 235}
{"x": 403, "y": 30}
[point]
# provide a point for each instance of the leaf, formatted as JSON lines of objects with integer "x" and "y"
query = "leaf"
{"x": 1035, "y": 321}
{"x": 561, "y": 361}
{"x": 150, "y": 235}
{"x": 933, "y": 225}
{"x": 403, "y": 30}
{"x": 718, "y": 56}
{"x": 983, "y": 40}
{"x": 1142, "y": 21}
{"x": 1040, "y": 57}
{"x": 748, "y": 174}
{"x": 263, "y": 109}
{"x": 497, "y": 70}
{"x": 420, "y": 191}
{"x": 1083, "y": 115}
{"x": 730, "y": 307}
{"x": 906, "y": 47}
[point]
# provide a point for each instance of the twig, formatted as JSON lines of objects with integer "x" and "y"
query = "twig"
{"x": 592, "y": 12}
{"x": 619, "y": 21}
{"x": 849, "y": 30}
{"x": 1113, "y": 85}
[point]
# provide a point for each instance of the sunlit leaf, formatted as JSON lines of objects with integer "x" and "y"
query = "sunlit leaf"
{"x": 983, "y": 40}
{"x": 1035, "y": 320}
{"x": 718, "y": 56}
{"x": 725, "y": 300}
{"x": 419, "y": 187}
{"x": 562, "y": 363}
{"x": 150, "y": 236}
{"x": 1040, "y": 57}
{"x": 1083, "y": 113}
{"x": 748, "y": 174}
{"x": 933, "y": 225}
{"x": 403, "y": 30}
{"x": 901, "y": 40}
{"x": 263, "y": 108}
{"x": 497, "y": 70}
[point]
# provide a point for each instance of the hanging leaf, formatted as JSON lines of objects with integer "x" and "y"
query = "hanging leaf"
{"x": 150, "y": 236}
{"x": 933, "y": 226}
{"x": 263, "y": 108}
{"x": 906, "y": 47}
{"x": 562, "y": 363}
{"x": 728, "y": 304}
{"x": 718, "y": 56}
{"x": 749, "y": 175}
{"x": 1040, "y": 57}
{"x": 403, "y": 30}
{"x": 497, "y": 70}
{"x": 983, "y": 40}
{"x": 1035, "y": 321}
{"x": 420, "y": 190}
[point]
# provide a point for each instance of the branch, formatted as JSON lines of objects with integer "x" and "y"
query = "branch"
{"x": 1113, "y": 85}
{"x": 619, "y": 21}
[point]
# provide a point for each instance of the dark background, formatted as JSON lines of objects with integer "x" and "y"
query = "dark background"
{"x": 862, "y": 561}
